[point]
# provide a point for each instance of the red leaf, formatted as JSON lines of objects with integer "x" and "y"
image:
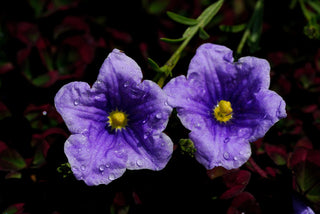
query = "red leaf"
{"x": 6, "y": 67}
{"x": 298, "y": 156}
{"x": 304, "y": 143}
{"x": 244, "y": 203}
{"x": 277, "y": 153}
{"x": 26, "y": 32}
{"x": 236, "y": 181}
{"x": 3, "y": 146}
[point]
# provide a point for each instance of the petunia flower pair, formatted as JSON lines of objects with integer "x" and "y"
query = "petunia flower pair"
{"x": 118, "y": 123}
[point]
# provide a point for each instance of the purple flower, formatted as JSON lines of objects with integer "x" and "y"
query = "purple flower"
{"x": 300, "y": 207}
{"x": 116, "y": 124}
{"x": 225, "y": 104}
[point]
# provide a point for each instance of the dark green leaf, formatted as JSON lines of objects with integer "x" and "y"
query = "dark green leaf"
{"x": 11, "y": 160}
{"x": 181, "y": 19}
{"x": 256, "y": 27}
{"x": 172, "y": 40}
{"x": 153, "y": 65}
{"x": 209, "y": 13}
{"x": 232, "y": 28}
{"x": 203, "y": 34}
{"x": 315, "y": 5}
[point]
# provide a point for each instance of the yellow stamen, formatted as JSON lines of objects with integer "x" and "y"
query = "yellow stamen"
{"x": 117, "y": 120}
{"x": 223, "y": 111}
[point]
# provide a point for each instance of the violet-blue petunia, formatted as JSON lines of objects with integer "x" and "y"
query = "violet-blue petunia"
{"x": 116, "y": 124}
{"x": 225, "y": 104}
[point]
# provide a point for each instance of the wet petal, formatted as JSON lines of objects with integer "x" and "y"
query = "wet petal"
{"x": 215, "y": 147}
{"x": 117, "y": 73}
{"x": 80, "y": 107}
{"x": 190, "y": 99}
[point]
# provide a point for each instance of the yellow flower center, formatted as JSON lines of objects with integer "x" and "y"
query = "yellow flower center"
{"x": 223, "y": 111}
{"x": 117, "y": 120}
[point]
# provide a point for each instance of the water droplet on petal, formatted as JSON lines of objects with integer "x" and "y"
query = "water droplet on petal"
{"x": 235, "y": 158}
{"x": 139, "y": 163}
{"x": 107, "y": 165}
{"x": 111, "y": 177}
{"x": 158, "y": 115}
{"x": 197, "y": 125}
{"x": 83, "y": 167}
{"x": 76, "y": 102}
{"x": 126, "y": 84}
{"x": 226, "y": 155}
{"x": 101, "y": 168}
{"x": 119, "y": 153}
{"x": 226, "y": 140}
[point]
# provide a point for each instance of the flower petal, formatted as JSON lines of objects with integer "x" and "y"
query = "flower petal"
{"x": 213, "y": 66}
{"x": 80, "y": 107}
{"x": 214, "y": 147}
{"x": 225, "y": 79}
{"x": 152, "y": 153}
{"x": 117, "y": 72}
{"x": 190, "y": 99}
{"x": 94, "y": 161}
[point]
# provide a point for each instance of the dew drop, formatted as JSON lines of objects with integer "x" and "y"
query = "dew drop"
{"x": 76, "y": 102}
{"x": 166, "y": 103}
{"x": 126, "y": 84}
{"x": 111, "y": 177}
{"x": 235, "y": 158}
{"x": 158, "y": 115}
{"x": 139, "y": 163}
{"x": 83, "y": 167}
{"x": 107, "y": 165}
{"x": 101, "y": 168}
{"x": 226, "y": 140}
{"x": 226, "y": 155}
{"x": 197, "y": 125}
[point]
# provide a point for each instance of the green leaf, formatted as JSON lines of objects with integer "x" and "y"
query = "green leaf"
{"x": 209, "y": 13}
{"x": 256, "y": 27}
{"x": 181, "y": 19}
{"x": 232, "y": 28}
{"x": 172, "y": 40}
{"x": 14, "y": 209}
{"x": 153, "y": 65}
{"x": 41, "y": 80}
{"x": 11, "y": 160}
{"x": 203, "y": 34}
{"x": 315, "y": 5}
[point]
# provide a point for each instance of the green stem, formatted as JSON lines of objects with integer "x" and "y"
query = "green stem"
{"x": 203, "y": 20}
{"x": 247, "y": 32}
{"x": 305, "y": 11}
{"x": 171, "y": 63}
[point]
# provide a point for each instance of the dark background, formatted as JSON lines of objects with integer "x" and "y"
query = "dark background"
{"x": 45, "y": 44}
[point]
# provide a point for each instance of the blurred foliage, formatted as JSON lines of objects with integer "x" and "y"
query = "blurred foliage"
{"x": 47, "y": 43}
